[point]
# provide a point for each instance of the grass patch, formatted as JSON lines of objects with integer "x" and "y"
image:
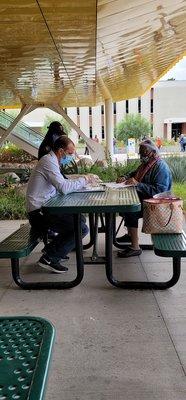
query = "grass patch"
{"x": 180, "y": 191}
{"x": 12, "y": 205}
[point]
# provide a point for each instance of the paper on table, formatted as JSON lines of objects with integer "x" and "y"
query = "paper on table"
{"x": 114, "y": 185}
{"x": 90, "y": 189}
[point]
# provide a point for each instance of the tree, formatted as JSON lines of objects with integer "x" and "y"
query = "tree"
{"x": 48, "y": 119}
{"x": 133, "y": 126}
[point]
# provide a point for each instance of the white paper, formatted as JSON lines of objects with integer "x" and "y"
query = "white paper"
{"x": 114, "y": 185}
{"x": 90, "y": 189}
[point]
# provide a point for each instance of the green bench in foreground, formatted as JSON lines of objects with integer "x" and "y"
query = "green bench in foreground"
{"x": 25, "y": 352}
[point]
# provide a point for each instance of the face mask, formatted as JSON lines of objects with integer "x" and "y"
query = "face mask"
{"x": 67, "y": 159}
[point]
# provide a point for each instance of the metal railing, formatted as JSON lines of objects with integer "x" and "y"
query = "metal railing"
{"x": 21, "y": 130}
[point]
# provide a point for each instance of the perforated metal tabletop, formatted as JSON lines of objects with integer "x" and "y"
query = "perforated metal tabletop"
{"x": 25, "y": 351}
{"x": 119, "y": 200}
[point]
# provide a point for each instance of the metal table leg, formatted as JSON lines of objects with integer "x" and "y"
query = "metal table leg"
{"x": 109, "y": 219}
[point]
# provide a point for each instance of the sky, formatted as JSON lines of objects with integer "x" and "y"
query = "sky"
{"x": 178, "y": 72}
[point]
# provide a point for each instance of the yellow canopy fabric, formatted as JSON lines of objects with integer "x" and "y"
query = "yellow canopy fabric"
{"x": 79, "y": 53}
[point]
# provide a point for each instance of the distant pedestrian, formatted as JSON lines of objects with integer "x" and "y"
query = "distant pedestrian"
{"x": 184, "y": 142}
{"x": 158, "y": 142}
{"x": 86, "y": 150}
{"x": 181, "y": 142}
{"x": 114, "y": 145}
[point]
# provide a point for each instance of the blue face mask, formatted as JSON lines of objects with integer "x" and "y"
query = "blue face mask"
{"x": 67, "y": 159}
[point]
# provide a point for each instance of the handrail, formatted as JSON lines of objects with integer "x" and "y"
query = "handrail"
{"x": 21, "y": 130}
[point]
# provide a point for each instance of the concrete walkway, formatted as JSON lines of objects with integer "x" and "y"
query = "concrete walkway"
{"x": 110, "y": 343}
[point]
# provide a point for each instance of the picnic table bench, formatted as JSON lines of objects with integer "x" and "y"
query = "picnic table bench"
{"x": 174, "y": 246}
{"x": 20, "y": 244}
{"x": 25, "y": 352}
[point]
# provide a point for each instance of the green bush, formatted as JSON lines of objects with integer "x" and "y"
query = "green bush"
{"x": 12, "y": 205}
{"x": 169, "y": 142}
{"x": 9, "y": 152}
{"x": 179, "y": 189}
{"x": 132, "y": 126}
{"x": 106, "y": 174}
{"x": 178, "y": 167}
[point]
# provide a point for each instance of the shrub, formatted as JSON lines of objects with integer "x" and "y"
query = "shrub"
{"x": 12, "y": 205}
{"x": 179, "y": 189}
{"x": 132, "y": 126}
{"x": 178, "y": 167}
{"x": 9, "y": 152}
{"x": 106, "y": 174}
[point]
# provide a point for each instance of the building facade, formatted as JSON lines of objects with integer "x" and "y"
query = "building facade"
{"x": 163, "y": 106}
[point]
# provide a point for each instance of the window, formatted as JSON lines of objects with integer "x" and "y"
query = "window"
{"x": 77, "y": 110}
{"x": 139, "y": 105}
{"x": 103, "y": 132}
{"x": 114, "y": 108}
{"x": 90, "y": 110}
{"x": 90, "y": 131}
{"x": 102, "y": 110}
{"x": 127, "y": 106}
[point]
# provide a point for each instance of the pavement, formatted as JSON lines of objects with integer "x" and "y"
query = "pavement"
{"x": 110, "y": 343}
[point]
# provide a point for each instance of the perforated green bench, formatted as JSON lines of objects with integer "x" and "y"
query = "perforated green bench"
{"x": 170, "y": 245}
{"x": 20, "y": 244}
{"x": 25, "y": 352}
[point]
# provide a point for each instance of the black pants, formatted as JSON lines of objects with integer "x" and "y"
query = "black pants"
{"x": 63, "y": 224}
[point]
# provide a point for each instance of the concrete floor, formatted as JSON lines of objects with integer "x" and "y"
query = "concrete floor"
{"x": 110, "y": 343}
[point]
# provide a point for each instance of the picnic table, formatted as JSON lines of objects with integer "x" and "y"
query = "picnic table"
{"x": 108, "y": 202}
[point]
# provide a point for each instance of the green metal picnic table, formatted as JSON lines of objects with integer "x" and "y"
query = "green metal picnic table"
{"x": 108, "y": 202}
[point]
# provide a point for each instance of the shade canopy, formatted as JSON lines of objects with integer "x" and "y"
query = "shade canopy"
{"x": 82, "y": 52}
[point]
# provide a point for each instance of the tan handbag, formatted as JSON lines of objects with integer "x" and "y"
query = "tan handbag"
{"x": 163, "y": 215}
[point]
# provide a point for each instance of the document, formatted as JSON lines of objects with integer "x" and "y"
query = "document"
{"x": 89, "y": 188}
{"x": 114, "y": 185}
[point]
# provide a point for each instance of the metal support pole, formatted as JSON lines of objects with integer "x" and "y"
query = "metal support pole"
{"x": 27, "y": 108}
{"x": 96, "y": 150}
{"x": 109, "y": 127}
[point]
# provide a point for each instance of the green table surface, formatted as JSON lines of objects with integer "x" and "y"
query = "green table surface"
{"x": 119, "y": 200}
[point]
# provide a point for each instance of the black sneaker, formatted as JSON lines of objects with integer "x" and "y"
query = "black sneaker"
{"x": 46, "y": 263}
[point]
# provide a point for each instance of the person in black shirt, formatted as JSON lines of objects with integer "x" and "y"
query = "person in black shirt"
{"x": 55, "y": 130}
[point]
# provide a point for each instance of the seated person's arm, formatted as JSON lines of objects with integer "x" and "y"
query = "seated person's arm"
{"x": 95, "y": 178}
{"x": 160, "y": 181}
{"x": 125, "y": 178}
{"x": 61, "y": 184}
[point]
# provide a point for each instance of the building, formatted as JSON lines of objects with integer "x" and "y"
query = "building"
{"x": 163, "y": 106}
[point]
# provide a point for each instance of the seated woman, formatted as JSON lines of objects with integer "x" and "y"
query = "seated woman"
{"x": 153, "y": 176}
{"x": 55, "y": 130}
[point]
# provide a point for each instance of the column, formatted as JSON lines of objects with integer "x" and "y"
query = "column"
{"x": 109, "y": 127}
{"x": 169, "y": 131}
